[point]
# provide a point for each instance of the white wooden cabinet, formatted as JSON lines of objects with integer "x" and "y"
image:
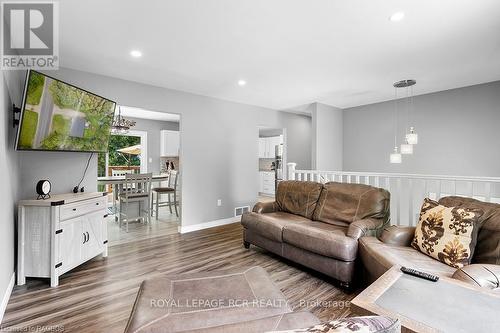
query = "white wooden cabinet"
{"x": 169, "y": 143}
{"x": 267, "y": 144}
{"x": 267, "y": 182}
{"x": 60, "y": 233}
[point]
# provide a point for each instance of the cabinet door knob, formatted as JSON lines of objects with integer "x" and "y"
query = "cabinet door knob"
{"x": 84, "y": 238}
{"x": 88, "y": 236}
{"x": 97, "y": 204}
{"x": 74, "y": 209}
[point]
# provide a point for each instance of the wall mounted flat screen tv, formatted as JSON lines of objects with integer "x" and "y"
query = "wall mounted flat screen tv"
{"x": 58, "y": 116}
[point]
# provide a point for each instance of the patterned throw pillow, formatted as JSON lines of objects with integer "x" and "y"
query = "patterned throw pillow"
{"x": 447, "y": 234}
{"x": 368, "y": 324}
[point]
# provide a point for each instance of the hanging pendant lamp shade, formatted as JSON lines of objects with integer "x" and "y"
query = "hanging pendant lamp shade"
{"x": 412, "y": 137}
{"x": 406, "y": 148}
{"x": 396, "y": 157}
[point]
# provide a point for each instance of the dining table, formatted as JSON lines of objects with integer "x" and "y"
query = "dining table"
{"x": 117, "y": 182}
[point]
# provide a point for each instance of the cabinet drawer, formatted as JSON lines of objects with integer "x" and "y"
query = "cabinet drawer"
{"x": 268, "y": 182}
{"x": 81, "y": 208}
{"x": 268, "y": 189}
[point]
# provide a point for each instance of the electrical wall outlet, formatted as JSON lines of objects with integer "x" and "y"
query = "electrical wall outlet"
{"x": 219, "y": 202}
{"x": 150, "y": 160}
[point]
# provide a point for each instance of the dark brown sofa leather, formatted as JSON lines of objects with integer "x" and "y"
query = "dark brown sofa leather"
{"x": 271, "y": 225}
{"x": 322, "y": 238}
{"x": 398, "y": 235}
{"x": 393, "y": 248}
{"x": 288, "y": 227}
{"x": 343, "y": 204}
{"x": 482, "y": 275}
{"x": 297, "y": 197}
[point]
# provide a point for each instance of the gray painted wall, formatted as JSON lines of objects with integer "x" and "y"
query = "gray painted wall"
{"x": 153, "y": 127}
{"x": 327, "y": 137}
{"x": 10, "y": 84}
{"x": 218, "y": 145}
{"x": 458, "y": 134}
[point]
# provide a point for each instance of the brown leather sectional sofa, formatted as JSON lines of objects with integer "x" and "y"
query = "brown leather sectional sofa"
{"x": 393, "y": 248}
{"x": 318, "y": 225}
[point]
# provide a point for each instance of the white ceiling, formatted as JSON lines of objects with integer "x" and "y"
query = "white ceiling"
{"x": 291, "y": 52}
{"x": 129, "y": 111}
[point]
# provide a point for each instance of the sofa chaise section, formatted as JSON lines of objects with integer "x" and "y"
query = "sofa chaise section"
{"x": 378, "y": 254}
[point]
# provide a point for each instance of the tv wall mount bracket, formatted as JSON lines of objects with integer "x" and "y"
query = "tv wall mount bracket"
{"x": 15, "y": 111}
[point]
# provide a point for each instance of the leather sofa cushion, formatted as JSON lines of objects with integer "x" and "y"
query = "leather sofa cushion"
{"x": 321, "y": 238}
{"x": 378, "y": 257}
{"x": 487, "y": 249}
{"x": 342, "y": 203}
{"x": 270, "y": 225}
{"x": 298, "y": 197}
{"x": 482, "y": 275}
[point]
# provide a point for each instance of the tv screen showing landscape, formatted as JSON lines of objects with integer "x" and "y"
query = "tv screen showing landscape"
{"x": 61, "y": 117}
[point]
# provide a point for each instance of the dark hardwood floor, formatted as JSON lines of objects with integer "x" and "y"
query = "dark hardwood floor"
{"x": 98, "y": 295}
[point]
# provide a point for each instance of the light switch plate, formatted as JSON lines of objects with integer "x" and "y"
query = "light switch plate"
{"x": 219, "y": 202}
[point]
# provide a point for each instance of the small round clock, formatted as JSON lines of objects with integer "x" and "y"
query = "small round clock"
{"x": 43, "y": 189}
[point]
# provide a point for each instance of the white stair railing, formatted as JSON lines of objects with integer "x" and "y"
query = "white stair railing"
{"x": 408, "y": 190}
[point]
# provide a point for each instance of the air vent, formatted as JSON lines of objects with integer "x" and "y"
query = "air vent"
{"x": 238, "y": 211}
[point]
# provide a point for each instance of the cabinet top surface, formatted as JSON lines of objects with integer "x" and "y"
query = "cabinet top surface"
{"x": 62, "y": 199}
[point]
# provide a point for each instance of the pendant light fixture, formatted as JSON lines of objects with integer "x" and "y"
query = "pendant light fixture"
{"x": 120, "y": 124}
{"x": 411, "y": 137}
{"x": 395, "y": 157}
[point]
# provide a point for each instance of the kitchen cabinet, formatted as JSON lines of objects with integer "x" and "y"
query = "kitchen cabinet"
{"x": 60, "y": 233}
{"x": 169, "y": 143}
{"x": 266, "y": 185}
{"x": 267, "y": 145}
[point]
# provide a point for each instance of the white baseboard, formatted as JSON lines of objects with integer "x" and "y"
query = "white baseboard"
{"x": 205, "y": 225}
{"x": 6, "y": 296}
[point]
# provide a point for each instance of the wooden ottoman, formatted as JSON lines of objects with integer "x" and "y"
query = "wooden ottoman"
{"x": 245, "y": 300}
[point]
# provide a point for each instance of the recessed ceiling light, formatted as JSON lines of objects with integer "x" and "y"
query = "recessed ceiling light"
{"x": 136, "y": 53}
{"x": 397, "y": 16}
{"x": 241, "y": 83}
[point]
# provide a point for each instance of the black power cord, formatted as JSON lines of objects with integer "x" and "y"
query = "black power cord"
{"x": 77, "y": 187}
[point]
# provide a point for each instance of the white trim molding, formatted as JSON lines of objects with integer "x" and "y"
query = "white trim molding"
{"x": 205, "y": 225}
{"x": 6, "y": 296}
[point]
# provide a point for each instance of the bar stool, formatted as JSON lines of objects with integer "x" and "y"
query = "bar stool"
{"x": 171, "y": 189}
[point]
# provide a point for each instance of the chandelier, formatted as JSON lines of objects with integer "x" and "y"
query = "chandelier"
{"x": 120, "y": 124}
{"x": 411, "y": 136}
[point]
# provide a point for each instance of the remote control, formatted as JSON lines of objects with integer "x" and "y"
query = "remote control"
{"x": 419, "y": 274}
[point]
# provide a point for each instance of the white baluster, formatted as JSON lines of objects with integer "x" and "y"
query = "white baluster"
{"x": 487, "y": 192}
{"x": 411, "y": 220}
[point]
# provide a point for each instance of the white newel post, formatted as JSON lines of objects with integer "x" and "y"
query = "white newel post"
{"x": 291, "y": 170}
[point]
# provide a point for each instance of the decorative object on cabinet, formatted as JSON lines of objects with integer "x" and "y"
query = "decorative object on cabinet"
{"x": 43, "y": 189}
{"x": 60, "y": 233}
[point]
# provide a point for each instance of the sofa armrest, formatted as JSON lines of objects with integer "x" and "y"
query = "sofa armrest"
{"x": 365, "y": 227}
{"x": 482, "y": 275}
{"x": 265, "y": 207}
{"x": 398, "y": 235}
